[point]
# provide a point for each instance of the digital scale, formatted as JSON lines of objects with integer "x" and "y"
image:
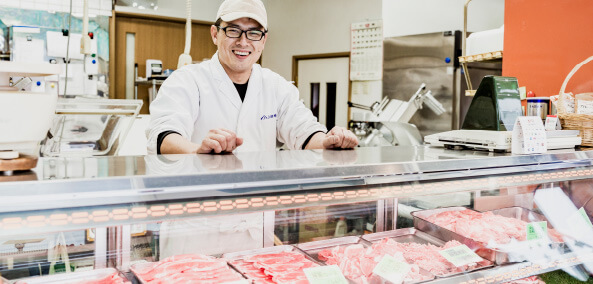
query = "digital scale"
{"x": 490, "y": 119}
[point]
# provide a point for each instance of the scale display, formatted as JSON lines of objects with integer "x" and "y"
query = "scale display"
{"x": 495, "y": 106}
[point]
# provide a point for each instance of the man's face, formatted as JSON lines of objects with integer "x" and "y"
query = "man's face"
{"x": 237, "y": 55}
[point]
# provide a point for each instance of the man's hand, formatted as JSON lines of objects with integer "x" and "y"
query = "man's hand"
{"x": 218, "y": 141}
{"x": 340, "y": 137}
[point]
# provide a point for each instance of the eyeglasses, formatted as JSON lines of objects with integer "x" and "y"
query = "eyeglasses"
{"x": 254, "y": 35}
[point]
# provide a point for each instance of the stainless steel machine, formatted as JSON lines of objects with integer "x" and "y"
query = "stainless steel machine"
{"x": 387, "y": 121}
{"x": 489, "y": 122}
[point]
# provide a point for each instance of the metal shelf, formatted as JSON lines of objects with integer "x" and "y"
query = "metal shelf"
{"x": 493, "y": 56}
{"x": 29, "y": 69}
{"x": 152, "y": 83}
{"x": 464, "y": 59}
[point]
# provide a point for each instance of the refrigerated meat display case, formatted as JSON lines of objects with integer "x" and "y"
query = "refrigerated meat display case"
{"x": 113, "y": 216}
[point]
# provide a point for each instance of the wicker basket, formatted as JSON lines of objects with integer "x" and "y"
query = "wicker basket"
{"x": 574, "y": 121}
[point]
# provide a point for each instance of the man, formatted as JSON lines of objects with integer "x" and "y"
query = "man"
{"x": 230, "y": 102}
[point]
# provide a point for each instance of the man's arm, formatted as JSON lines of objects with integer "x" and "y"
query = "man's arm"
{"x": 338, "y": 137}
{"x": 176, "y": 144}
{"x": 217, "y": 141}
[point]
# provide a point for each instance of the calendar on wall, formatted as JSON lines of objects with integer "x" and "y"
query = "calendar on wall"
{"x": 366, "y": 51}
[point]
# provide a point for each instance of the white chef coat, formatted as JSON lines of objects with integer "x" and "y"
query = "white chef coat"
{"x": 200, "y": 97}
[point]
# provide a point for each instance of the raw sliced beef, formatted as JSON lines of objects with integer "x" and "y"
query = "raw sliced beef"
{"x": 284, "y": 267}
{"x": 357, "y": 262}
{"x": 485, "y": 227}
{"x": 426, "y": 256}
{"x": 187, "y": 269}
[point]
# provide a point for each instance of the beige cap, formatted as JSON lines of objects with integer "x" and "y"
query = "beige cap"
{"x": 231, "y": 10}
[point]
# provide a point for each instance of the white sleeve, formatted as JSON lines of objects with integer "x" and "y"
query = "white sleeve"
{"x": 175, "y": 108}
{"x": 295, "y": 122}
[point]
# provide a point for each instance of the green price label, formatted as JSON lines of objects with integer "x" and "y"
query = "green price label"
{"x": 537, "y": 230}
{"x": 579, "y": 224}
{"x": 584, "y": 215}
{"x": 392, "y": 269}
{"x": 460, "y": 255}
{"x": 330, "y": 274}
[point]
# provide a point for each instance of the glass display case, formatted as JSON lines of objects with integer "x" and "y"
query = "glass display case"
{"x": 140, "y": 218}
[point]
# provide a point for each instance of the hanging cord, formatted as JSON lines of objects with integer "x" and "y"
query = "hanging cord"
{"x": 68, "y": 49}
{"x": 185, "y": 58}
{"x": 188, "y": 28}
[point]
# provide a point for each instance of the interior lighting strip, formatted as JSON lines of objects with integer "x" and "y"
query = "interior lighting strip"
{"x": 145, "y": 213}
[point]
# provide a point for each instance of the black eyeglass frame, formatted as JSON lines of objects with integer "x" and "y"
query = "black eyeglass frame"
{"x": 263, "y": 33}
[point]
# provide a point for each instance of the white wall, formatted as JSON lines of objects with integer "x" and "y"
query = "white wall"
{"x": 407, "y": 17}
{"x": 96, "y": 7}
{"x": 204, "y": 10}
{"x": 299, "y": 27}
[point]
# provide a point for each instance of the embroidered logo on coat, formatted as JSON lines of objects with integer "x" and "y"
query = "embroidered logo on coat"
{"x": 268, "y": 116}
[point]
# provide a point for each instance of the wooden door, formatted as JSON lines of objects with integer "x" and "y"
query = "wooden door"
{"x": 155, "y": 38}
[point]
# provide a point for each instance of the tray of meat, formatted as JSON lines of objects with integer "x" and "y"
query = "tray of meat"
{"x": 406, "y": 235}
{"x": 188, "y": 268}
{"x": 422, "y": 249}
{"x": 97, "y": 276}
{"x": 483, "y": 232}
{"x": 527, "y": 215}
{"x": 356, "y": 259}
{"x": 279, "y": 264}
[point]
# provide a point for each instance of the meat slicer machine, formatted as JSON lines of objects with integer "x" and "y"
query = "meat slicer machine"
{"x": 386, "y": 123}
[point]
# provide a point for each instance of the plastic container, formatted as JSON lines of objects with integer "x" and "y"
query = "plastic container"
{"x": 538, "y": 106}
{"x": 485, "y": 41}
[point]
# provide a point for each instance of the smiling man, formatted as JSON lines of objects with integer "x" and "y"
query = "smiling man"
{"x": 230, "y": 103}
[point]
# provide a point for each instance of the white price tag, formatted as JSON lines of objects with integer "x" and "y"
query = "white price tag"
{"x": 330, "y": 274}
{"x": 552, "y": 123}
{"x": 391, "y": 269}
{"x": 584, "y": 107}
{"x": 529, "y": 136}
{"x": 460, "y": 255}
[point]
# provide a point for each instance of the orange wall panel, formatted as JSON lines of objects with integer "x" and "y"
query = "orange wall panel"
{"x": 544, "y": 40}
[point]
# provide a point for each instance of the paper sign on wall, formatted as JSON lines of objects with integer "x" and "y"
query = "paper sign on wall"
{"x": 529, "y": 136}
{"x": 366, "y": 51}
